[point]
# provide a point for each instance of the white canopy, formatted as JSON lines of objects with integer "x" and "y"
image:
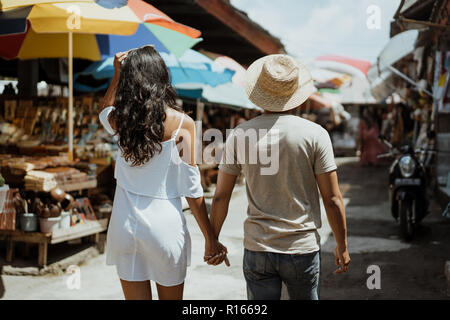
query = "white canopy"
{"x": 381, "y": 74}
{"x": 397, "y": 48}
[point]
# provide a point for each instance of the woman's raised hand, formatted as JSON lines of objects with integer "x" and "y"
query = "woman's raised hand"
{"x": 118, "y": 58}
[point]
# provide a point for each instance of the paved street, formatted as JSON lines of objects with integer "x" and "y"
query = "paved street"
{"x": 408, "y": 270}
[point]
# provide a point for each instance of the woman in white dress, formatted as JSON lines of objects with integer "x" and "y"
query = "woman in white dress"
{"x": 147, "y": 235}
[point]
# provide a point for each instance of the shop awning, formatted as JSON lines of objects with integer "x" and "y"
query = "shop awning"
{"x": 400, "y": 46}
{"x": 397, "y": 48}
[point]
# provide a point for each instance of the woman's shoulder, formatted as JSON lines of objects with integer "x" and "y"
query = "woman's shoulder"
{"x": 177, "y": 116}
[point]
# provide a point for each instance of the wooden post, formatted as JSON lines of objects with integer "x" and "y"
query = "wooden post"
{"x": 70, "y": 111}
{"x": 200, "y": 109}
{"x": 199, "y": 133}
{"x": 101, "y": 243}
{"x": 42, "y": 257}
{"x": 94, "y": 238}
{"x": 9, "y": 250}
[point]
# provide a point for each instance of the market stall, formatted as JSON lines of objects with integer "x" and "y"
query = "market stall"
{"x": 46, "y": 197}
{"x": 56, "y": 161}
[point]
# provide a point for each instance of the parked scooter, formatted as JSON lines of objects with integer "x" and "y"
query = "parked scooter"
{"x": 408, "y": 181}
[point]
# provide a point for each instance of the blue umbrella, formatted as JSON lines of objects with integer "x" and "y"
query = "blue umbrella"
{"x": 192, "y": 68}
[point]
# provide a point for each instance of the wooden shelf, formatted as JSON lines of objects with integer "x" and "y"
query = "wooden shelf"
{"x": 68, "y": 187}
{"x": 79, "y": 231}
{"x": 89, "y": 184}
{"x": 89, "y": 228}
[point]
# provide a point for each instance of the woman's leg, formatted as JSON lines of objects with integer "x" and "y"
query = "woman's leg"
{"x": 170, "y": 293}
{"x": 136, "y": 290}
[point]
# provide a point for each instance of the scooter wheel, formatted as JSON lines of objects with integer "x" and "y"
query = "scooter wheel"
{"x": 407, "y": 226}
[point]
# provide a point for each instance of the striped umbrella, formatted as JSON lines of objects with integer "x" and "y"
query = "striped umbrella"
{"x": 85, "y": 29}
{"x": 40, "y": 30}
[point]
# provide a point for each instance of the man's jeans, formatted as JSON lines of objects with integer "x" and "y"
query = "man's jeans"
{"x": 265, "y": 271}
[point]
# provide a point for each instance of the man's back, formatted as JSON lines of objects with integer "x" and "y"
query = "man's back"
{"x": 279, "y": 155}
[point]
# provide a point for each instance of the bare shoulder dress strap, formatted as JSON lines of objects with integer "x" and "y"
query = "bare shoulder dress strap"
{"x": 179, "y": 126}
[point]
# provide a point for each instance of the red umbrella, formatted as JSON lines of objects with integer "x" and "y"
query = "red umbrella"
{"x": 361, "y": 65}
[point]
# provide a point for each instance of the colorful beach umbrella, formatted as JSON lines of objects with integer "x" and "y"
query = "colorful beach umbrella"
{"x": 53, "y": 29}
{"x": 40, "y": 30}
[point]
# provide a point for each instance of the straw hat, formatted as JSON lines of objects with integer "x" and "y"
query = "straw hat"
{"x": 278, "y": 83}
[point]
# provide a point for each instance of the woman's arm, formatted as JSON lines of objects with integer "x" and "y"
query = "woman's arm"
{"x": 197, "y": 205}
{"x": 110, "y": 96}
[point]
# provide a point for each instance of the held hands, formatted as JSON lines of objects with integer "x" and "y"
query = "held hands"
{"x": 215, "y": 253}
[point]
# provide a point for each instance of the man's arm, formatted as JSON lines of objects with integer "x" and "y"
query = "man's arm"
{"x": 219, "y": 207}
{"x": 221, "y": 200}
{"x": 334, "y": 206}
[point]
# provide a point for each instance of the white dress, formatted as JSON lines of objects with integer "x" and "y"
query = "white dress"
{"x": 147, "y": 235}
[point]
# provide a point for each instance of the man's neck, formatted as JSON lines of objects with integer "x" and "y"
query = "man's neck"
{"x": 288, "y": 112}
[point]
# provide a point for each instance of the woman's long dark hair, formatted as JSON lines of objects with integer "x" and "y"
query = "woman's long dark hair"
{"x": 143, "y": 93}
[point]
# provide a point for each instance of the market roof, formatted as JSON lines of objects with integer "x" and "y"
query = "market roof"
{"x": 225, "y": 29}
{"x": 415, "y": 14}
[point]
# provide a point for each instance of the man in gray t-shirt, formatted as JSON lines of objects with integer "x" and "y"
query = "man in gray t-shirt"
{"x": 284, "y": 160}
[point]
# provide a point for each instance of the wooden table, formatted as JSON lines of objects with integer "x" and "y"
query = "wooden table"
{"x": 89, "y": 228}
{"x": 74, "y": 186}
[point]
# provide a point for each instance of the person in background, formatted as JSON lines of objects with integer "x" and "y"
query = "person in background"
{"x": 281, "y": 242}
{"x": 367, "y": 140}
